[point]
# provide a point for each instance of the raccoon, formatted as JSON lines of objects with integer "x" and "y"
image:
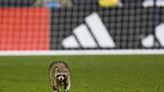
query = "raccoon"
{"x": 44, "y": 3}
{"x": 59, "y": 73}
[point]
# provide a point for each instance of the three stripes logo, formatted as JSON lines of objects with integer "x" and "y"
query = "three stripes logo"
{"x": 149, "y": 41}
{"x": 93, "y": 34}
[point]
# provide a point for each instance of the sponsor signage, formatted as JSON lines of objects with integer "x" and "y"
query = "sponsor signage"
{"x": 85, "y": 26}
{"x": 90, "y": 26}
{"x": 97, "y": 36}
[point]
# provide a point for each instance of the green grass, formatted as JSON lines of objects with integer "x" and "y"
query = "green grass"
{"x": 89, "y": 73}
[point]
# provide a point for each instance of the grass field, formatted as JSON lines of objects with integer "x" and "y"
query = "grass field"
{"x": 89, "y": 73}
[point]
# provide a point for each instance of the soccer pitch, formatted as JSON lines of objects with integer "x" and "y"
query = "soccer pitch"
{"x": 88, "y": 73}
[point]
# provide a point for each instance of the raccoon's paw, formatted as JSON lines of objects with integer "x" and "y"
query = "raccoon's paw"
{"x": 66, "y": 90}
{"x": 56, "y": 91}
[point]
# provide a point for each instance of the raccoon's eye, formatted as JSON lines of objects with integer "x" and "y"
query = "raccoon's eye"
{"x": 63, "y": 75}
{"x": 57, "y": 75}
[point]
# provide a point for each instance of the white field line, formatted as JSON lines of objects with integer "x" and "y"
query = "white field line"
{"x": 83, "y": 52}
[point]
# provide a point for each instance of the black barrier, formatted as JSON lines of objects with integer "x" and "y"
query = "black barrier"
{"x": 129, "y": 26}
{"x": 87, "y": 25}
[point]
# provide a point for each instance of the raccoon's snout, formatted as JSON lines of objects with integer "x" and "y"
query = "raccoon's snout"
{"x": 61, "y": 78}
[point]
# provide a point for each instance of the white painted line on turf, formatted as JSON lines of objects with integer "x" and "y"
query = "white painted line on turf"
{"x": 83, "y": 52}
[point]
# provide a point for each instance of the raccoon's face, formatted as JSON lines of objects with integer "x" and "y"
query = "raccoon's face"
{"x": 61, "y": 75}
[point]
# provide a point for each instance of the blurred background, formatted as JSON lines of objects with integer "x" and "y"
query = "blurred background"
{"x": 81, "y": 25}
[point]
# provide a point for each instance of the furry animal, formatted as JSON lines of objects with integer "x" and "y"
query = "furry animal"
{"x": 44, "y": 3}
{"x": 59, "y": 73}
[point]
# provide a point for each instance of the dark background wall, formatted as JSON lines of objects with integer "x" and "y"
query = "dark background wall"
{"x": 16, "y": 3}
{"x": 127, "y": 25}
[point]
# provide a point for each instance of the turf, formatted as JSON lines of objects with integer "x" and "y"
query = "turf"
{"x": 89, "y": 73}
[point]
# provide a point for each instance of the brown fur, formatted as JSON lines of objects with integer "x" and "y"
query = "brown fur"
{"x": 59, "y": 68}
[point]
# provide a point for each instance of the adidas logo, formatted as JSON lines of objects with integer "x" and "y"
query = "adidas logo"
{"x": 148, "y": 41}
{"x": 150, "y": 3}
{"x": 93, "y": 34}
